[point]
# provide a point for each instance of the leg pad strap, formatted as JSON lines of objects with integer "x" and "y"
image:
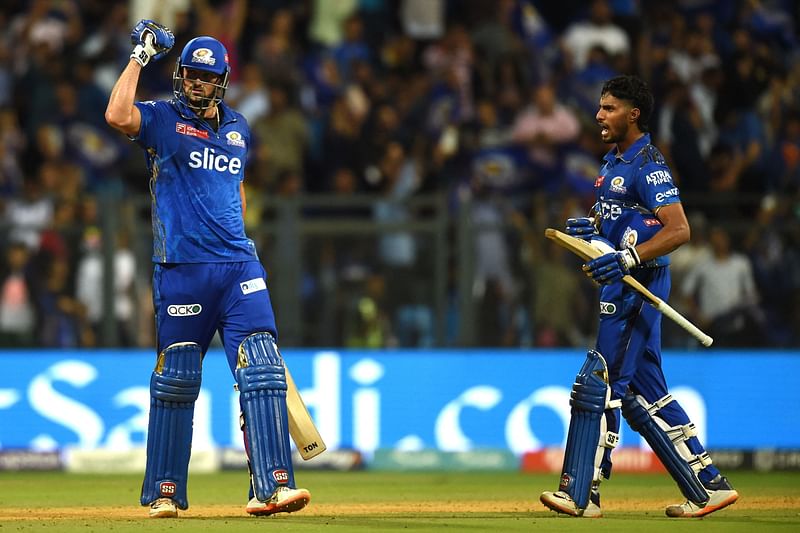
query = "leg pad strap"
{"x": 669, "y": 449}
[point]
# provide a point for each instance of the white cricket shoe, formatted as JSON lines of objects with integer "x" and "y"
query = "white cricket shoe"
{"x": 283, "y": 500}
{"x": 561, "y": 502}
{"x": 720, "y": 495}
{"x": 163, "y": 508}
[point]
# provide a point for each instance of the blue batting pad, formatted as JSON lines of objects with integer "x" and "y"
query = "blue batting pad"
{"x": 261, "y": 377}
{"x": 641, "y": 421}
{"x": 174, "y": 387}
{"x": 588, "y": 405}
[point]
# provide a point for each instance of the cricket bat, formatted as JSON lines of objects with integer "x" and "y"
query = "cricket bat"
{"x": 301, "y": 426}
{"x": 586, "y": 251}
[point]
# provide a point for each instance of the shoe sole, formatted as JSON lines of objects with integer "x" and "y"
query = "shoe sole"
{"x": 288, "y": 506}
{"x": 164, "y": 514}
{"x": 565, "y": 510}
{"x": 708, "y": 509}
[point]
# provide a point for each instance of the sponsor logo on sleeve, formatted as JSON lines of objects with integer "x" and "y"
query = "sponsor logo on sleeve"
{"x": 183, "y": 310}
{"x": 657, "y": 177}
{"x": 599, "y": 181}
{"x": 660, "y": 197}
{"x": 253, "y": 285}
{"x": 191, "y": 131}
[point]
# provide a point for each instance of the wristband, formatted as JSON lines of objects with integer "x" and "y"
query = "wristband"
{"x": 140, "y": 55}
{"x": 630, "y": 257}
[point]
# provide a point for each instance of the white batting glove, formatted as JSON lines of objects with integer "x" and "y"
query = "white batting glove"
{"x": 152, "y": 40}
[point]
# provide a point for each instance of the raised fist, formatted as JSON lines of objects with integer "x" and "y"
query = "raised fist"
{"x": 152, "y": 41}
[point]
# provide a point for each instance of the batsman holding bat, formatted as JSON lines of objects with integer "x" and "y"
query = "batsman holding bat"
{"x": 207, "y": 276}
{"x": 638, "y": 219}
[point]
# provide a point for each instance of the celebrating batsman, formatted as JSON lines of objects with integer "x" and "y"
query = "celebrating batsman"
{"x": 638, "y": 219}
{"x": 207, "y": 276}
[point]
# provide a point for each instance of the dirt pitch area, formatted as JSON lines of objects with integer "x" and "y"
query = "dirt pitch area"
{"x": 373, "y": 509}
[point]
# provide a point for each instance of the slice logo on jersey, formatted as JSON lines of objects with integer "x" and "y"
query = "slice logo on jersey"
{"x": 167, "y": 488}
{"x": 208, "y": 159}
{"x": 281, "y": 476}
{"x": 204, "y": 56}
{"x": 182, "y": 310}
{"x": 607, "y": 308}
{"x": 235, "y": 138}
{"x": 253, "y": 285}
{"x": 599, "y": 181}
{"x": 618, "y": 185}
{"x": 191, "y": 131}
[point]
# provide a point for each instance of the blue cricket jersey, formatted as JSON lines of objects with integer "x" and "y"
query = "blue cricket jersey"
{"x": 629, "y": 190}
{"x": 195, "y": 175}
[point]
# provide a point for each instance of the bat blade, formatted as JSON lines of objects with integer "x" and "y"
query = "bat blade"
{"x": 302, "y": 429}
{"x": 579, "y": 247}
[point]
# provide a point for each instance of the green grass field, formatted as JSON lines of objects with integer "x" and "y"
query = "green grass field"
{"x": 373, "y": 501}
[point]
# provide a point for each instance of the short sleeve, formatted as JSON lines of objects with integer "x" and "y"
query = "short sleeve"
{"x": 656, "y": 186}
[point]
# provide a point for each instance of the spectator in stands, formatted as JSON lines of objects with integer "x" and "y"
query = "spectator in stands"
{"x": 546, "y": 127}
{"x": 90, "y": 286}
{"x": 17, "y": 309}
{"x": 722, "y": 294}
{"x": 598, "y": 30}
{"x": 282, "y": 136}
{"x": 29, "y": 214}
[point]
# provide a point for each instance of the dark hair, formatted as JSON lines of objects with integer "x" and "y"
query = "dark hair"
{"x": 635, "y": 91}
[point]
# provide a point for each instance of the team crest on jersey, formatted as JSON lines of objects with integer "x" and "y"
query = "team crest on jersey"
{"x": 629, "y": 238}
{"x": 618, "y": 185}
{"x": 204, "y": 56}
{"x": 235, "y": 138}
{"x": 191, "y": 131}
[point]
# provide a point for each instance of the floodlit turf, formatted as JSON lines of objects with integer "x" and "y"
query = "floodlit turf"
{"x": 372, "y": 501}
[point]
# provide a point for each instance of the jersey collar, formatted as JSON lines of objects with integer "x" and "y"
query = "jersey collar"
{"x": 186, "y": 113}
{"x": 629, "y": 154}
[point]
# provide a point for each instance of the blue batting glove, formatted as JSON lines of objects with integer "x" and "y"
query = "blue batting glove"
{"x": 153, "y": 41}
{"x": 582, "y": 228}
{"x": 612, "y": 267}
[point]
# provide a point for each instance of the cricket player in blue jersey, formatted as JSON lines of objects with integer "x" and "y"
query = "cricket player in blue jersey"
{"x": 207, "y": 276}
{"x": 638, "y": 219}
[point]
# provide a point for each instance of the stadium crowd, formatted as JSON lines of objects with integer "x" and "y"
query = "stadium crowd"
{"x": 491, "y": 103}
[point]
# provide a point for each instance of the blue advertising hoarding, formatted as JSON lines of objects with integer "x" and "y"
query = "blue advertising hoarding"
{"x": 450, "y": 400}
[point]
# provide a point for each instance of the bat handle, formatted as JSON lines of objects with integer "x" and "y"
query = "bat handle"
{"x": 679, "y": 319}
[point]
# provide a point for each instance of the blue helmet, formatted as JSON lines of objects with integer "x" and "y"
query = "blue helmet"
{"x": 205, "y": 54}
